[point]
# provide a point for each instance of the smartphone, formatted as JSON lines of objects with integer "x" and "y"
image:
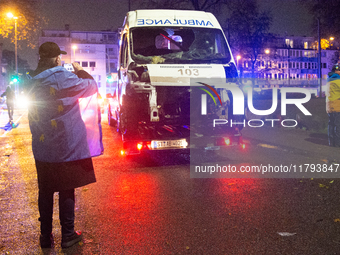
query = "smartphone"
{"x": 69, "y": 67}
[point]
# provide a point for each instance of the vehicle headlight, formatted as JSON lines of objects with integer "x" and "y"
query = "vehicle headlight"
{"x": 22, "y": 101}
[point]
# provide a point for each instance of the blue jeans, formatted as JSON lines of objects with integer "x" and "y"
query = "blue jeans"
{"x": 66, "y": 212}
{"x": 334, "y": 129}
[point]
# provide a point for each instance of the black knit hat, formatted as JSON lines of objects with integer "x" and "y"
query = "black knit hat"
{"x": 50, "y": 50}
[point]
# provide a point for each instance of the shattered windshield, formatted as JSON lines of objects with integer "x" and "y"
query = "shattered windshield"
{"x": 172, "y": 45}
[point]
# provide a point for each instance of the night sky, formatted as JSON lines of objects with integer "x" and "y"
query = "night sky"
{"x": 289, "y": 17}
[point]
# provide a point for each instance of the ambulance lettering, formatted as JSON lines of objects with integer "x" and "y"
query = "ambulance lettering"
{"x": 190, "y": 22}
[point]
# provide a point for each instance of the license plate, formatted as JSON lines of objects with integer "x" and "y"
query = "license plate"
{"x": 173, "y": 144}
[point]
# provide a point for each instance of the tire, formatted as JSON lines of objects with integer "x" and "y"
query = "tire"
{"x": 112, "y": 122}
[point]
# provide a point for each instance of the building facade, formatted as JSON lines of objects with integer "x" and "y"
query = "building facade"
{"x": 289, "y": 61}
{"x": 95, "y": 51}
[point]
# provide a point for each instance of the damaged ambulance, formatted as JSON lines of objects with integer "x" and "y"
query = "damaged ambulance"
{"x": 162, "y": 53}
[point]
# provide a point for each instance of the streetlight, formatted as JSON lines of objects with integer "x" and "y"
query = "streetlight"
{"x": 74, "y": 47}
{"x": 238, "y": 57}
{"x": 319, "y": 60}
{"x": 11, "y": 16}
{"x": 331, "y": 39}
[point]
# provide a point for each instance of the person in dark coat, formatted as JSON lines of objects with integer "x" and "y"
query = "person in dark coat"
{"x": 10, "y": 97}
{"x": 60, "y": 139}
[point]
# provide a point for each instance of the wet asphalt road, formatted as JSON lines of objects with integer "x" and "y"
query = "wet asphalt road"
{"x": 150, "y": 205}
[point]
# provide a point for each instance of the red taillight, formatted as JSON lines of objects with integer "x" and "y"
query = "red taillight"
{"x": 148, "y": 145}
{"x": 134, "y": 147}
{"x": 222, "y": 141}
{"x": 227, "y": 140}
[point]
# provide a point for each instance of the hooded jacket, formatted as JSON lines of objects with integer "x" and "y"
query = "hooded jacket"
{"x": 333, "y": 93}
{"x": 56, "y": 118}
{"x": 10, "y": 95}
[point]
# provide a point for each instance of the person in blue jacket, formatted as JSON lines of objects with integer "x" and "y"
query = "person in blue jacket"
{"x": 333, "y": 106}
{"x": 60, "y": 141}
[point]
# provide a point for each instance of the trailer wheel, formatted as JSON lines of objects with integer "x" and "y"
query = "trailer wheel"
{"x": 121, "y": 122}
{"x": 112, "y": 122}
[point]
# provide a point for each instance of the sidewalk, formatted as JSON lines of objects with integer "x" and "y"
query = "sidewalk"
{"x": 4, "y": 121}
{"x": 19, "y": 225}
{"x": 311, "y": 143}
{"x": 18, "y": 192}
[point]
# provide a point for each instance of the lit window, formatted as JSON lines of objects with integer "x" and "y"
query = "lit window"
{"x": 287, "y": 42}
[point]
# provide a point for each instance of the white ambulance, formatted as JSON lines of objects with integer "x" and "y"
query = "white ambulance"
{"x": 161, "y": 52}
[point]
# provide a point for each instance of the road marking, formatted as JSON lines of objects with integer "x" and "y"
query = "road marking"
{"x": 268, "y": 146}
{"x": 16, "y": 123}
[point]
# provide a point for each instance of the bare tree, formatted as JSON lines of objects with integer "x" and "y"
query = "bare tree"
{"x": 327, "y": 12}
{"x": 249, "y": 29}
{"x": 201, "y": 5}
{"x": 206, "y": 5}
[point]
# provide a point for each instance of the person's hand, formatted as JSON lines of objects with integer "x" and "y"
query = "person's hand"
{"x": 76, "y": 67}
